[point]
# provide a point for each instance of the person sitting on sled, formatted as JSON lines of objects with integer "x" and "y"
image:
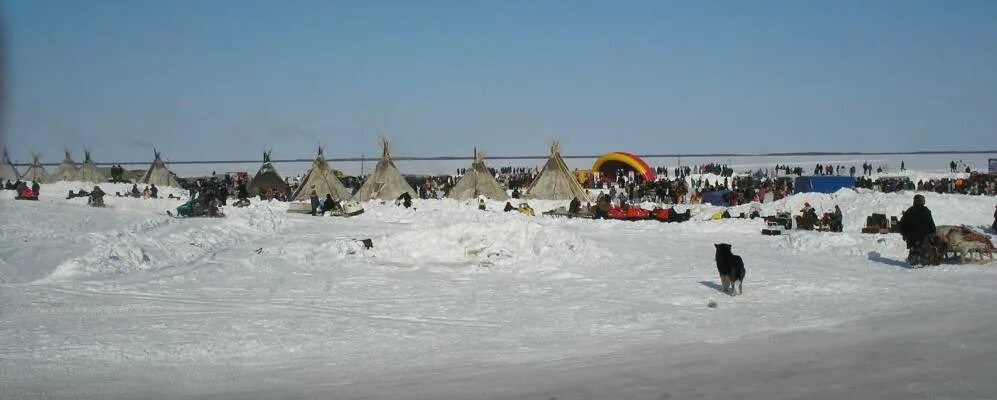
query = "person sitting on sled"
{"x": 330, "y": 204}
{"x": 26, "y": 193}
{"x": 575, "y": 206}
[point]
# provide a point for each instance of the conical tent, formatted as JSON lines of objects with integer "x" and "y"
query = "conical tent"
{"x": 555, "y": 181}
{"x": 478, "y": 181}
{"x": 7, "y": 170}
{"x": 385, "y": 183}
{"x": 67, "y": 170}
{"x": 89, "y": 172}
{"x": 36, "y": 172}
{"x": 158, "y": 174}
{"x": 267, "y": 177}
{"x": 322, "y": 181}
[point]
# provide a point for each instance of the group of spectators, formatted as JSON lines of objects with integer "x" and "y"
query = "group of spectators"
{"x": 975, "y": 184}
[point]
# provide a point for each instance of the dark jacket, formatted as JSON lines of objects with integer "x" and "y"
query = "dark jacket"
{"x": 329, "y": 204}
{"x": 575, "y": 206}
{"x": 916, "y": 224}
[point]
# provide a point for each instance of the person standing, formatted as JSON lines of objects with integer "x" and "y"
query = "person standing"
{"x": 916, "y": 226}
{"x": 313, "y": 198}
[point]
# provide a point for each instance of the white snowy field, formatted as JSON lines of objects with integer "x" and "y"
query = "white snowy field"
{"x": 452, "y": 302}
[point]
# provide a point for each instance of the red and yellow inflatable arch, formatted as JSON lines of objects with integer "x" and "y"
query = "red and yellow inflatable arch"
{"x": 617, "y": 160}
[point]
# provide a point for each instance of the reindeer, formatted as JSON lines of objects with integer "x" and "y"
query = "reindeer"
{"x": 965, "y": 242}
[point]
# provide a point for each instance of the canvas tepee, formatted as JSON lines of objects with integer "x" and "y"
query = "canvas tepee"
{"x": 555, "y": 181}
{"x": 7, "y": 170}
{"x": 88, "y": 172}
{"x": 158, "y": 174}
{"x": 36, "y": 172}
{"x": 385, "y": 183}
{"x": 67, "y": 170}
{"x": 322, "y": 181}
{"x": 478, "y": 181}
{"x": 267, "y": 177}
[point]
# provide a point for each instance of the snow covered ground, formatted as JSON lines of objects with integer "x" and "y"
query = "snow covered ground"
{"x": 452, "y": 302}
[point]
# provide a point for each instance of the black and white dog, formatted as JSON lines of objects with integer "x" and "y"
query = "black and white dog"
{"x": 731, "y": 269}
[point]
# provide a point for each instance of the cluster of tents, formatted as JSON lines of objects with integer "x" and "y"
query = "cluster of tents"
{"x": 69, "y": 170}
{"x": 554, "y": 182}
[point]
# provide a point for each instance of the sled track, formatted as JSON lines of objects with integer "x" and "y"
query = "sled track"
{"x": 262, "y": 306}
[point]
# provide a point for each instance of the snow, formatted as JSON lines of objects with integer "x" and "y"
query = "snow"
{"x": 453, "y": 302}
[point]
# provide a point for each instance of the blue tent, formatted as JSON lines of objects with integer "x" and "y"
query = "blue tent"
{"x": 717, "y": 198}
{"x": 822, "y": 184}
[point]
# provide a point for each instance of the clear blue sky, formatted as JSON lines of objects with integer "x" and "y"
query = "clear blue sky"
{"x": 222, "y": 79}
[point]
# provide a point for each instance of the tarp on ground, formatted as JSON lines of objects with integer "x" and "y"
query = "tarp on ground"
{"x": 822, "y": 184}
{"x": 716, "y": 197}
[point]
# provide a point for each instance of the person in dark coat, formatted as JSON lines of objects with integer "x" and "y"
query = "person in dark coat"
{"x": 241, "y": 192}
{"x": 916, "y": 223}
{"x": 836, "y": 220}
{"x": 222, "y": 194}
{"x": 135, "y": 192}
{"x": 154, "y": 191}
{"x": 35, "y": 187}
{"x": 96, "y": 197}
{"x": 515, "y": 193}
{"x": 808, "y": 218}
{"x": 405, "y": 200}
{"x": 603, "y": 204}
{"x": 330, "y": 204}
{"x": 575, "y": 206}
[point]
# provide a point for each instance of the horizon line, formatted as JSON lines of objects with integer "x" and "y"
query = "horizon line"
{"x": 532, "y": 157}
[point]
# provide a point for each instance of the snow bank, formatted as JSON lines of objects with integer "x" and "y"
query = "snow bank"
{"x": 163, "y": 242}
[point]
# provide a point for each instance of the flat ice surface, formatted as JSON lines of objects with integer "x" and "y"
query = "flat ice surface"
{"x": 452, "y": 302}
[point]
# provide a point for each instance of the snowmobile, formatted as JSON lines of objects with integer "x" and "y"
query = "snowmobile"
{"x": 26, "y": 194}
{"x": 193, "y": 208}
{"x": 670, "y": 215}
{"x": 629, "y": 213}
